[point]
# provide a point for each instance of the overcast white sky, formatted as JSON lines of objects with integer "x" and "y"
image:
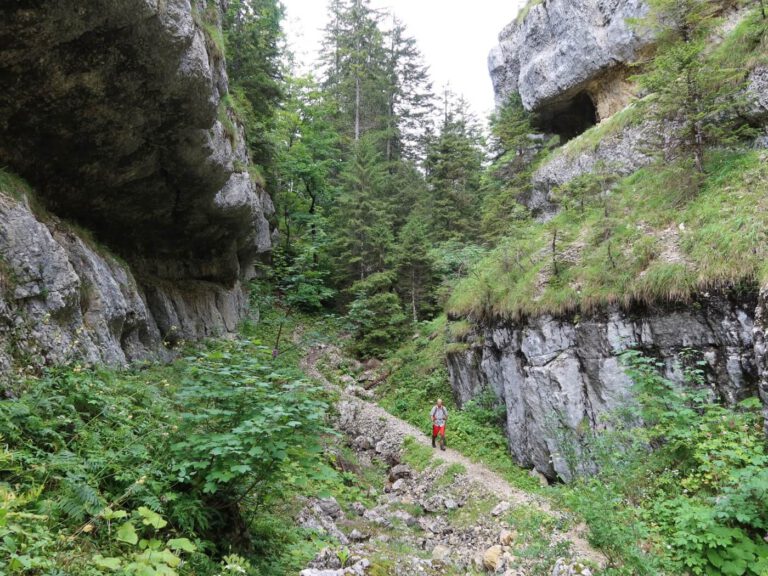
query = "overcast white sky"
{"x": 454, "y": 37}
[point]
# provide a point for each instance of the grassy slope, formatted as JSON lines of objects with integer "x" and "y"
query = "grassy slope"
{"x": 656, "y": 243}
{"x": 651, "y": 240}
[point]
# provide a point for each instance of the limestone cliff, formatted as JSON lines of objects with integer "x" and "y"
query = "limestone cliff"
{"x": 115, "y": 113}
{"x": 560, "y": 376}
{"x": 567, "y": 60}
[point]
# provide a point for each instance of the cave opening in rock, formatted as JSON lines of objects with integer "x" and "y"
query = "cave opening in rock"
{"x": 570, "y": 118}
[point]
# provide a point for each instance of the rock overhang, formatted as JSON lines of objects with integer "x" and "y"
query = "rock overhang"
{"x": 111, "y": 109}
{"x": 563, "y": 53}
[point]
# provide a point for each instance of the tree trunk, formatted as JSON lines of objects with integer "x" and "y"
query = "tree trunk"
{"x": 413, "y": 296}
{"x": 357, "y": 108}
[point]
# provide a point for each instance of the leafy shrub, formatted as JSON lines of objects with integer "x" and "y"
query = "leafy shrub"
{"x": 157, "y": 470}
{"x": 691, "y": 489}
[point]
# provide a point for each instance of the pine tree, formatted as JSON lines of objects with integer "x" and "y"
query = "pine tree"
{"x": 454, "y": 166}
{"x": 362, "y": 219}
{"x": 688, "y": 90}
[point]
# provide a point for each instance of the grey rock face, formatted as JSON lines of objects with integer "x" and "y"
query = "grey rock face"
{"x": 113, "y": 111}
{"x": 761, "y": 349}
{"x": 561, "y": 47}
{"x": 556, "y": 377}
{"x": 63, "y": 299}
{"x": 627, "y": 149}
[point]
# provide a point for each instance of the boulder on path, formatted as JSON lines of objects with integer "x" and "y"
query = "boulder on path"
{"x": 357, "y": 536}
{"x": 359, "y": 508}
{"x": 326, "y": 559}
{"x": 501, "y": 508}
{"x": 399, "y": 472}
{"x": 330, "y": 507}
{"x": 441, "y": 554}
{"x": 492, "y": 558}
{"x": 539, "y": 477}
{"x": 362, "y": 443}
{"x": 433, "y": 503}
{"x": 507, "y": 537}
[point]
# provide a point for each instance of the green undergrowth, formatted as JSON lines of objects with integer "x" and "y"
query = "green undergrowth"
{"x": 419, "y": 377}
{"x": 746, "y": 46}
{"x": 192, "y": 468}
{"x": 653, "y": 238}
{"x": 689, "y": 494}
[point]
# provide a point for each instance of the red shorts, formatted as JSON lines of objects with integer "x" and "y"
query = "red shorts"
{"x": 438, "y": 430}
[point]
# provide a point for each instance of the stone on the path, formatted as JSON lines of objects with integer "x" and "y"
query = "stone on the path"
{"x": 501, "y": 508}
{"x": 359, "y": 568}
{"x": 565, "y": 567}
{"x": 330, "y": 507}
{"x": 398, "y": 485}
{"x": 326, "y": 559}
{"x": 399, "y": 472}
{"x": 507, "y": 537}
{"x": 433, "y": 503}
{"x": 357, "y": 536}
{"x": 363, "y": 443}
{"x": 360, "y": 392}
{"x": 540, "y": 478}
{"x": 492, "y": 558}
{"x": 478, "y": 562}
{"x": 441, "y": 554}
{"x": 359, "y": 508}
{"x": 450, "y": 504}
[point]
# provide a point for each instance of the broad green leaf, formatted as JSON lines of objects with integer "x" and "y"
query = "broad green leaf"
{"x": 181, "y": 544}
{"x": 127, "y": 533}
{"x": 108, "y": 563}
{"x": 152, "y": 518}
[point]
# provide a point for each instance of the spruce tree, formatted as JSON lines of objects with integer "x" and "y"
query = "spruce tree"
{"x": 363, "y": 235}
{"x": 454, "y": 166}
{"x": 355, "y": 61}
{"x": 253, "y": 39}
{"x": 699, "y": 99}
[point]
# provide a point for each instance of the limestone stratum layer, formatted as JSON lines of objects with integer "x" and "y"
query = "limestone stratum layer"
{"x": 115, "y": 113}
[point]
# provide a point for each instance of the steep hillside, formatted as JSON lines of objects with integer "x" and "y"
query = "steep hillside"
{"x": 626, "y": 246}
{"x": 116, "y": 114}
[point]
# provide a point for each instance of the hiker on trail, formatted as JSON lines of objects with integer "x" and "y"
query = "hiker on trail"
{"x": 439, "y": 416}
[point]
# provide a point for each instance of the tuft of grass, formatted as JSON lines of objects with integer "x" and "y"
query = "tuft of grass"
{"x": 14, "y": 186}
{"x": 746, "y": 46}
{"x": 416, "y": 455}
{"x": 224, "y": 111}
{"x": 654, "y": 239}
{"x": 525, "y": 10}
